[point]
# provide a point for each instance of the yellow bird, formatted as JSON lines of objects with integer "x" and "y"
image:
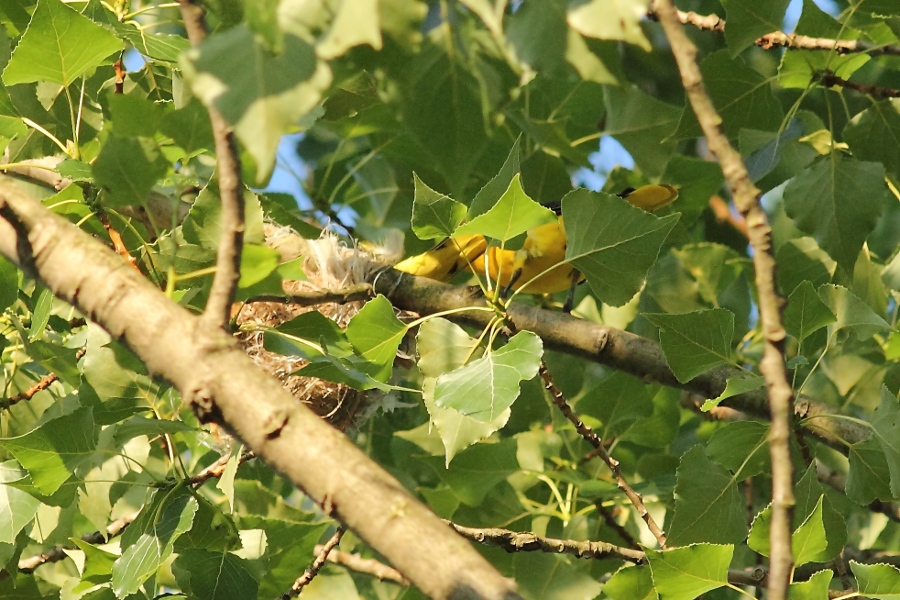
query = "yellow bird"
{"x": 446, "y": 259}
{"x": 538, "y": 267}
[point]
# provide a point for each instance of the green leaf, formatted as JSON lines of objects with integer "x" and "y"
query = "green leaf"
{"x": 745, "y": 22}
{"x": 869, "y": 476}
{"x": 618, "y": 403}
{"x": 735, "y": 386}
{"x": 117, "y": 378}
{"x": 127, "y": 169}
{"x": 435, "y": 216}
{"x": 612, "y": 243}
{"x": 813, "y": 540}
{"x": 814, "y": 588}
{"x": 9, "y": 284}
{"x": 376, "y": 333}
{"x": 98, "y": 564}
{"x": 257, "y": 263}
{"x": 215, "y": 575}
{"x": 264, "y": 102}
{"x": 802, "y": 260}
{"x": 837, "y": 201}
{"x": 150, "y": 539}
{"x": 886, "y": 422}
{"x": 878, "y": 581}
{"x": 708, "y": 506}
{"x": 17, "y": 508}
{"x": 695, "y": 342}
{"x": 807, "y": 493}
{"x": 809, "y": 541}
{"x": 443, "y": 346}
{"x": 494, "y": 189}
{"x": 486, "y": 387}
{"x": 806, "y": 313}
{"x": 314, "y": 327}
{"x": 189, "y": 127}
{"x": 75, "y": 170}
{"x": 477, "y": 470}
{"x": 685, "y": 573}
{"x": 713, "y": 266}
{"x": 552, "y": 577}
{"x": 742, "y": 96}
{"x": 59, "y": 46}
{"x": 601, "y": 19}
{"x": 631, "y": 583}
{"x": 512, "y": 215}
{"x": 852, "y": 313}
{"x": 40, "y": 315}
{"x": 139, "y": 425}
{"x": 643, "y": 125}
{"x": 742, "y": 447}
{"x": 135, "y": 116}
{"x": 53, "y": 451}
{"x": 870, "y": 135}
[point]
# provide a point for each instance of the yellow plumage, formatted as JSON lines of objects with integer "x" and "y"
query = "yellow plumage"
{"x": 539, "y": 266}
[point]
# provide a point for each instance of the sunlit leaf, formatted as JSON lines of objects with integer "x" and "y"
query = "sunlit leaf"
{"x": 695, "y": 342}
{"x": 612, "y": 243}
{"x": 685, "y": 573}
{"x": 59, "y": 46}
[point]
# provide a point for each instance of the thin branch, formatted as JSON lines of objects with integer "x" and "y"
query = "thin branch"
{"x": 231, "y": 193}
{"x": 316, "y": 565}
{"x": 351, "y": 293}
{"x": 772, "y": 365}
{"x": 829, "y": 79}
{"x": 366, "y": 566}
{"x": 28, "y": 565}
{"x": 40, "y": 386}
{"x": 594, "y": 440}
{"x": 779, "y": 39}
{"x": 513, "y": 541}
{"x": 610, "y": 520}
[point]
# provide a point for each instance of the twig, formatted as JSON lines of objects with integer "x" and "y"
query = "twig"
{"x": 367, "y": 566}
{"x": 611, "y": 522}
{"x": 772, "y": 365}
{"x": 120, "y": 75}
{"x": 40, "y": 386}
{"x": 779, "y": 39}
{"x": 723, "y": 214}
{"x": 351, "y": 293}
{"x": 593, "y": 439}
{"x": 513, "y": 541}
{"x": 28, "y": 565}
{"x": 231, "y": 192}
{"x": 310, "y": 573}
{"x": 829, "y": 79}
{"x": 116, "y": 238}
{"x": 215, "y": 470}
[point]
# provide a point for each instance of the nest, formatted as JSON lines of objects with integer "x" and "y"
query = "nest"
{"x": 329, "y": 265}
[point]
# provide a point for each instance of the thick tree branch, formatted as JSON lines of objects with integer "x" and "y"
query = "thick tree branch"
{"x": 617, "y": 349}
{"x": 231, "y": 193}
{"x": 772, "y": 365}
{"x": 224, "y": 385}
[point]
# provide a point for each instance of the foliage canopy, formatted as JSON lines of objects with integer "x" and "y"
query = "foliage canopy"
{"x": 442, "y": 118}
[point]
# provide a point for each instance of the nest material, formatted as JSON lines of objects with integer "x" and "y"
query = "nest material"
{"x": 329, "y": 265}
